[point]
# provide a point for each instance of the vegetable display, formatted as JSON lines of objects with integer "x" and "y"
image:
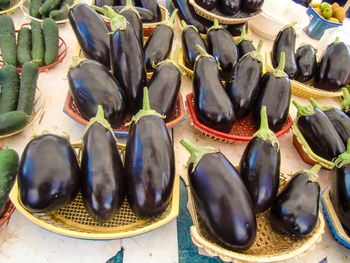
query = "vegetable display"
{"x": 307, "y": 63}
{"x": 231, "y": 7}
{"x": 8, "y": 40}
{"x": 55, "y": 9}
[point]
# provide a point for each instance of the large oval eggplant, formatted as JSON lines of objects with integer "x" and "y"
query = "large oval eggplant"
{"x": 244, "y": 43}
{"x": 230, "y": 7}
{"x": 307, "y": 63}
{"x": 275, "y": 94}
{"x": 319, "y": 132}
{"x": 211, "y": 102}
{"x": 295, "y": 210}
{"x": 49, "y": 176}
{"x": 260, "y": 166}
{"x": 345, "y": 105}
{"x": 207, "y": 4}
{"x": 220, "y": 197}
{"x": 92, "y": 84}
{"x": 285, "y": 42}
{"x": 149, "y": 163}
{"x": 243, "y": 84}
{"x": 103, "y": 176}
{"x": 91, "y": 32}
{"x": 252, "y": 6}
{"x": 151, "y": 5}
{"x": 146, "y": 15}
{"x": 222, "y": 48}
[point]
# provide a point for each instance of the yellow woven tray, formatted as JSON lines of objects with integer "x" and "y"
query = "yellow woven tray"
{"x": 269, "y": 246}
{"x": 74, "y": 221}
{"x": 12, "y": 9}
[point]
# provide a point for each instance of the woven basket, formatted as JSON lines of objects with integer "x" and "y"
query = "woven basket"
{"x": 242, "y": 130}
{"x": 269, "y": 246}
{"x": 9, "y": 209}
{"x": 12, "y": 9}
{"x": 74, "y": 221}
{"x": 39, "y": 105}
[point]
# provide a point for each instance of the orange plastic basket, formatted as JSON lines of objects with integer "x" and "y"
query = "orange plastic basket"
{"x": 9, "y": 209}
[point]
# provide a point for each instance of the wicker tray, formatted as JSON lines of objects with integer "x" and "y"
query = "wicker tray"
{"x": 242, "y": 130}
{"x": 74, "y": 221}
{"x": 336, "y": 227}
{"x": 12, "y": 9}
{"x": 39, "y": 105}
{"x": 269, "y": 246}
{"x": 305, "y": 90}
{"x": 9, "y": 209}
{"x": 62, "y": 52}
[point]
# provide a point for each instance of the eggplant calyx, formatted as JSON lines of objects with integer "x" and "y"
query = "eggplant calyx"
{"x": 291, "y": 25}
{"x": 129, "y": 6}
{"x": 170, "y": 22}
{"x": 264, "y": 132}
{"x": 185, "y": 25}
{"x": 216, "y": 26}
{"x": 196, "y": 153}
{"x": 343, "y": 158}
{"x": 336, "y": 40}
{"x": 256, "y": 53}
{"x": 345, "y": 105}
{"x": 303, "y": 110}
{"x": 203, "y": 53}
{"x": 172, "y": 60}
{"x": 118, "y": 22}
{"x": 307, "y": 45}
{"x": 76, "y": 60}
{"x": 313, "y": 173}
{"x": 244, "y": 36}
{"x": 100, "y": 119}
{"x": 279, "y": 71}
{"x": 316, "y": 106}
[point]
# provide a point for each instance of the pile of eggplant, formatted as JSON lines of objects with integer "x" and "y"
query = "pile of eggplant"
{"x": 228, "y": 199}
{"x": 331, "y": 74}
{"x": 115, "y": 71}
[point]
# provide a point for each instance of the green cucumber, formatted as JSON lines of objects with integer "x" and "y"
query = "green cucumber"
{"x": 34, "y": 6}
{"x": 48, "y": 6}
{"x": 29, "y": 79}
{"x": 51, "y": 41}
{"x": 13, "y": 121}
{"x": 62, "y": 13}
{"x": 24, "y": 46}
{"x": 9, "y": 90}
{"x": 8, "y": 40}
{"x": 9, "y": 162}
{"x": 5, "y": 4}
{"x": 37, "y": 43}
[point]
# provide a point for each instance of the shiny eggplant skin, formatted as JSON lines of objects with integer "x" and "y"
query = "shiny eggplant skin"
{"x": 245, "y": 47}
{"x": 151, "y": 5}
{"x": 92, "y": 84}
{"x": 91, "y": 32}
{"x": 230, "y": 7}
{"x": 49, "y": 176}
{"x": 146, "y": 15}
{"x": 164, "y": 88}
{"x": 307, "y": 63}
{"x": 295, "y": 210}
{"x": 252, "y": 6}
{"x": 135, "y": 22}
{"x": 207, "y": 4}
{"x": 236, "y": 30}
{"x": 333, "y": 71}
{"x": 101, "y": 3}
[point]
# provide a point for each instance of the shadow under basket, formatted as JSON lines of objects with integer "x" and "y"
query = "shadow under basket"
{"x": 74, "y": 221}
{"x": 242, "y": 130}
{"x": 9, "y": 209}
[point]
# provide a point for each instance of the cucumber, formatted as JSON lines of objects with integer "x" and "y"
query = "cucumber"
{"x": 5, "y": 4}
{"x": 37, "y": 43}
{"x": 51, "y": 41}
{"x": 24, "y": 46}
{"x": 8, "y": 40}
{"x": 48, "y": 6}
{"x": 29, "y": 79}
{"x": 13, "y": 121}
{"x": 62, "y": 13}
{"x": 34, "y": 6}
{"x": 9, "y": 162}
{"x": 9, "y": 90}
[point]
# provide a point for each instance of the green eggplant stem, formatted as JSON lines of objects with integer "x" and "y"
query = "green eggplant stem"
{"x": 216, "y": 25}
{"x": 76, "y": 60}
{"x": 185, "y": 25}
{"x": 279, "y": 71}
{"x": 201, "y": 50}
{"x": 315, "y": 105}
{"x": 118, "y": 22}
{"x": 256, "y": 53}
{"x": 264, "y": 132}
{"x": 129, "y": 3}
{"x": 346, "y": 100}
{"x": 170, "y": 22}
{"x": 303, "y": 110}
{"x": 260, "y": 45}
{"x": 99, "y": 118}
{"x": 313, "y": 173}
{"x": 337, "y": 40}
{"x": 344, "y": 158}
{"x": 244, "y": 36}
{"x": 130, "y": 6}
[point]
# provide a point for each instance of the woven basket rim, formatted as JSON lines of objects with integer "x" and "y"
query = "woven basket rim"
{"x": 10, "y": 208}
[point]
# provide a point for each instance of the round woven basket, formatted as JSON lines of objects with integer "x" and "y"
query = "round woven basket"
{"x": 9, "y": 209}
{"x": 12, "y": 9}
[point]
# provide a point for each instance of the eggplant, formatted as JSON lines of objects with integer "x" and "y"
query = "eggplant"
{"x": 103, "y": 177}
{"x": 207, "y": 4}
{"x": 319, "y": 132}
{"x": 91, "y": 32}
{"x": 260, "y": 166}
{"x": 236, "y": 29}
{"x": 230, "y": 7}
{"x": 252, "y": 6}
{"x": 340, "y": 121}
{"x": 190, "y": 37}
{"x": 285, "y": 42}
{"x": 127, "y": 59}
{"x": 146, "y": 15}
{"x": 159, "y": 44}
{"x": 222, "y": 48}
{"x": 149, "y": 163}
{"x": 345, "y": 105}
{"x": 151, "y": 5}
{"x": 333, "y": 71}
{"x": 275, "y": 94}
{"x": 49, "y": 176}
{"x": 307, "y": 63}
{"x": 295, "y": 210}
{"x": 211, "y": 103}
{"x": 243, "y": 84}
{"x": 92, "y": 84}
{"x": 101, "y": 3}
{"x": 220, "y": 197}
{"x": 340, "y": 187}
{"x": 244, "y": 43}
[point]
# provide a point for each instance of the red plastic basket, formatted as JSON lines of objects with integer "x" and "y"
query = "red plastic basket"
{"x": 242, "y": 130}
{"x": 62, "y": 52}
{"x": 10, "y": 208}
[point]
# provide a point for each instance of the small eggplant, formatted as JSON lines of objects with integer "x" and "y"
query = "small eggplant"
{"x": 252, "y": 6}
{"x": 275, "y": 94}
{"x": 92, "y": 84}
{"x": 220, "y": 197}
{"x": 236, "y": 30}
{"x": 285, "y": 42}
{"x": 319, "y": 132}
{"x": 295, "y": 210}
{"x": 244, "y": 43}
{"x": 307, "y": 63}
{"x": 260, "y": 166}
{"x": 345, "y": 105}
{"x": 149, "y": 163}
{"x": 159, "y": 44}
{"x": 91, "y": 32}
{"x": 103, "y": 176}
{"x": 333, "y": 72}
{"x": 151, "y": 5}
{"x": 230, "y": 7}
{"x": 222, "y": 48}
{"x": 340, "y": 187}
{"x": 146, "y": 15}
{"x": 243, "y": 84}
{"x": 211, "y": 103}
{"x": 49, "y": 176}
{"x": 207, "y": 4}
{"x": 190, "y": 38}
{"x": 340, "y": 121}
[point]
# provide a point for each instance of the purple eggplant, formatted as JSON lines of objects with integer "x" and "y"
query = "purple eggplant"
{"x": 230, "y": 7}
{"x": 307, "y": 63}
{"x": 244, "y": 43}
{"x": 252, "y": 6}
{"x": 151, "y": 5}
{"x": 207, "y": 4}
{"x": 146, "y": 15}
